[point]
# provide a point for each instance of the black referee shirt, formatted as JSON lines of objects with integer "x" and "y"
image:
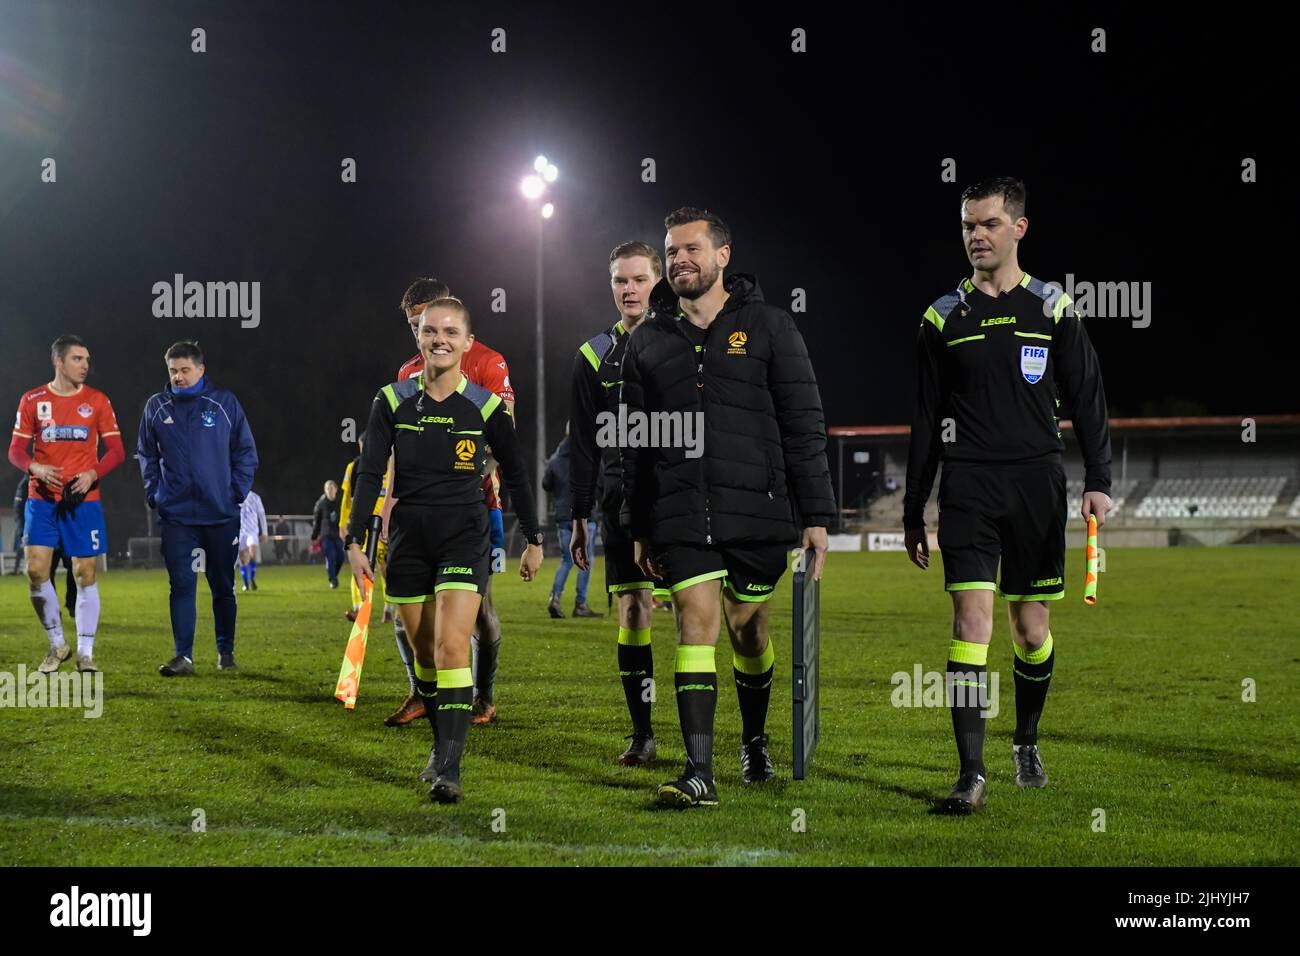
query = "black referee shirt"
{"x": 597, "y": 381}
{"x": 1000, "y": 369}
{"x": 439, "y": 451}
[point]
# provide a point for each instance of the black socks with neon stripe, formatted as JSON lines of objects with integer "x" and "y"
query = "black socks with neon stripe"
{"x": 967, "y": 684}
{"x": 753, "y": 690}
{"x": 636, "y": 668}
{"x": 424, "y": 683}
{"x": 1033, "y": 674}
{"x": 455, "y": 703}
{"x": 696, "y": 680}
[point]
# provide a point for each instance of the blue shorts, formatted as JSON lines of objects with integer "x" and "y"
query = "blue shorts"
{"x": 496, "y": 529}
{"x": 78, "y": 532}
{"x": 496, "y": 542}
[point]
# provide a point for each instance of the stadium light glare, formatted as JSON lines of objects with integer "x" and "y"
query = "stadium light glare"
{"x": 550, "y": 172}
{"x": 548, "y": 211}
{"x": 539, "y": 163}
{"x": 533, "y": 187}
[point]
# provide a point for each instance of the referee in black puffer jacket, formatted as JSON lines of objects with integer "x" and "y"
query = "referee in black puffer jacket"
{"x": 716, "y": 519}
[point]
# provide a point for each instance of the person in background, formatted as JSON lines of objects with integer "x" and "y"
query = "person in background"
{"x": 197, "y": 458}
{"x": 325, "y": 527}
{"x": 252, "y": 528}
{"x": 556, "y": 484}
{"x": 20, "y": 507}
{"x": 282, "y": 534}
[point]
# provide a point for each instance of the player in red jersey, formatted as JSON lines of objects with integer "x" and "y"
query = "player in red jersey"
{"x": 56, "y": 442}
{"x": 486, "y": 367}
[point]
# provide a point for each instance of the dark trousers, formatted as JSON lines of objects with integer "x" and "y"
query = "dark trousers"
{"x": 214, "y": 549}
{"x": 332, "y": 547}
{"x": 20, "y": 522}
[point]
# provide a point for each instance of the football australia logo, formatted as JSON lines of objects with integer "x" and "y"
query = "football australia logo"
{"x": 736, "y": 341}
{"x": 465, "y": 449}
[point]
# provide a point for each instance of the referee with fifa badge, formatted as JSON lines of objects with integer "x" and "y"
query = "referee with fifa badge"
{"x": 998, "y": 359}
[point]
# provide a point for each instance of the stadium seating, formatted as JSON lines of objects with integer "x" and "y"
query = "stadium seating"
{"x": 1240, "y": 497}
{"x": 1120, "y": 491}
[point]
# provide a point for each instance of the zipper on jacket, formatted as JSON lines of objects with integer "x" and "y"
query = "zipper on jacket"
{"x": 708, "y": 512}
{"x": 699, "y": 385}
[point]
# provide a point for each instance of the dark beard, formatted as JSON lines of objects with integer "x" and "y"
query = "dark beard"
{"x": 707, "y": 281}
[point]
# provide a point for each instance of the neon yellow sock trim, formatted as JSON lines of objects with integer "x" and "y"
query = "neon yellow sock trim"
{"x": 754, "y": 665}
{"x": 695, "y": 659}
{"x": 429, "y": 674}
{"x": 964, "y": 652}
{"x": 1038, "y": 656}
{"x": 455, "y": 677}
{"x": 634, "y": 638}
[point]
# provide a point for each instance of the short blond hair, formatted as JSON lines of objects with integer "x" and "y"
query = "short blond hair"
{"x": 628, "y": 250}
{"x": 451, "y": 302}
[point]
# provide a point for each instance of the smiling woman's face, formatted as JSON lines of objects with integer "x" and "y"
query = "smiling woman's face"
{"x": 444, "y": 336}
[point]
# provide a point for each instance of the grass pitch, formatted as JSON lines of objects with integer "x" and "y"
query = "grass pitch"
{"x": 1145, "y": 722}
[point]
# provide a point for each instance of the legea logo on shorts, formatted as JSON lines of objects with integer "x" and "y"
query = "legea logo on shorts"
{"x": 457, "y": 570}
{"x": 1045, "y": 582}
{"x": 737, "y": 342}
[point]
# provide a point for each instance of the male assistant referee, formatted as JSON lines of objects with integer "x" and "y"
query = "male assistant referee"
{"x": 634, "y": 268}
{"x": 716, "y": 521}
{"x": 996, "y": 358}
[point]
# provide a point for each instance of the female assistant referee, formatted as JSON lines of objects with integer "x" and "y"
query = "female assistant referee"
{"x": 439, "y": 427}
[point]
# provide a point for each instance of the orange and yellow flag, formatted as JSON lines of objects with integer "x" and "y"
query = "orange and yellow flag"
{"x": 1090, "y": 578}
{"x": 354, "y": 655}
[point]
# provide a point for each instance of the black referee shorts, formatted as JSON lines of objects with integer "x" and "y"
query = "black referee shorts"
{"x": 436, "y": 548}
{"x": 1012, "y": 513}
{"x": 748, "y": 573}
{"x": 621, "y": 572}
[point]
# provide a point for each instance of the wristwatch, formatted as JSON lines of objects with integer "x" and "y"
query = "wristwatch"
{"x": 349, "y": 540}
{"x": 538, "y": 538}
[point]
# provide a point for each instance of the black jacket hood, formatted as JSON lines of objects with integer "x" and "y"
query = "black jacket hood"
{"x": 741, "y": 287}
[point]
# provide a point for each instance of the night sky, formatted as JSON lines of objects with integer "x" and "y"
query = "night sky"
{"x": 225, "y": 166}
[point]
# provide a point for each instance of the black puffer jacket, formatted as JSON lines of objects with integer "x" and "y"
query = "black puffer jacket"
{"x": 764, "y": 447}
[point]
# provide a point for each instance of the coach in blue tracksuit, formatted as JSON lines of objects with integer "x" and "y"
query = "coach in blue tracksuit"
{"x": 197, "y": 458}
